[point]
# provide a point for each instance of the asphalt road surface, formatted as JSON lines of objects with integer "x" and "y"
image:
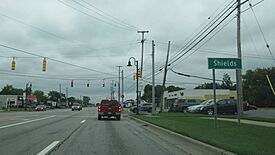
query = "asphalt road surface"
{"x": 67, "y": 132}
{"x": 261, "y": 112}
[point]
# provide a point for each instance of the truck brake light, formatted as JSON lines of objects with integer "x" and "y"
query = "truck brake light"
{"x": 119, "y": 108}
{"x": 99, "y": 108}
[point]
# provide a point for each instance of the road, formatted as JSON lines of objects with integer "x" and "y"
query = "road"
{"x": 261, "y": 112}
{"x": 79, "y": 132}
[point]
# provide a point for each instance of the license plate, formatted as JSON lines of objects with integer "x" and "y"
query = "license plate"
{"x": 109, "y": 113}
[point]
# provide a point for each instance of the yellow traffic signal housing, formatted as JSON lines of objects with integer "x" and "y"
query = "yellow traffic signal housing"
{"x": 72, "y": 83}
{"x": 13, "y": 64}
{"x": 44, "y": 65}
{"x": 139, "y": 73}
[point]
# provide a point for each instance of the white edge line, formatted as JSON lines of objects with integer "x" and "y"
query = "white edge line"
{"x": 48, "y": 148}
{"x": 83, "y": 121}
{"x": 20, "y": 123}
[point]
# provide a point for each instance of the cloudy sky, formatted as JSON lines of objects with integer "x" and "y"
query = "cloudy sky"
{"x": 87, "y": 39}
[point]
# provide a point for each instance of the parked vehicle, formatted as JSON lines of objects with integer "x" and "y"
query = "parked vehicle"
{"x": 224, "y": 106}
{"x": 248, "y": 106}
{"x": 180, "y": 105}
{"x": 128, "y": 103}
{"x": 41, "y": 107}
{"x": 109, "y": 108}
{"x": 143, "y": 107}
{"x": 76, "y": 106}
{"x": 196, "y": 108}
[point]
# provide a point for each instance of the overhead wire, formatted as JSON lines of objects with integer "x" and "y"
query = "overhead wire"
{"x": 203, "y": 29}
{"x": 63, "y": 62}
{"x": 221, "y": 28}
{"x": 93, "y": 17}
{"x": 107, "y": 15}
{"x": 261, "y": 30}
{"x": 201, "y": 38}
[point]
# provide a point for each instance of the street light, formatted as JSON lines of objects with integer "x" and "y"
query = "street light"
{"x": 136, "y": 64}
{"x": 28, "y": 85}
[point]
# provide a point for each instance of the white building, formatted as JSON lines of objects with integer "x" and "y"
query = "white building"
{"x": 203, "y": 94}
{"x": 12, "y": 100}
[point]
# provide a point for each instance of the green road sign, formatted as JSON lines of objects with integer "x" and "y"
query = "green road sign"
{"x": 224, "y": 63}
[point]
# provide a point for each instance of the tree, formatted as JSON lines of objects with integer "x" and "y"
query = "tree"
{"x": 71, "y": 99}
{"x": 207, "y": 85}
{"x": 173, "y": 88}
{"x": 9, "y": 90}
{"x": 256, "y": 89}
{"x": 86, "y": 100}
{"x": 40, "y": 96}
{"x": 54, "y": 95}
{"x": 227, "y": 83}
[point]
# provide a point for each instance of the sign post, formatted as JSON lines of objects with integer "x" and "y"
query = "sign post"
{"x": 223, "y": 63}
{"x": 214, "y": 94}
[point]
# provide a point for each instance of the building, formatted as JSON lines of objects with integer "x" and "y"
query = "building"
{"x": 203, "y": 94}
{"x": 12, "y": 100}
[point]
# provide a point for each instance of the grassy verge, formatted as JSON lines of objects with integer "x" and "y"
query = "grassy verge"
{"x": 244, "y": 139}
{"x": 14, "y": 109}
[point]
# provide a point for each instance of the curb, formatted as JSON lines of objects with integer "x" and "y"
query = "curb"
{"x": 211, "y": 148}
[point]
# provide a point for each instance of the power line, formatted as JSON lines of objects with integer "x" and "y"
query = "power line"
{"x": 101, "y": 20}
{"x": 202, "y": 38}
{"x": 222, "y": 27}
{"x": 106, "y": 15}
{"x": 63, "y": 62}
{"x": 261, "y": 30}
{"x": 3, "y": 72}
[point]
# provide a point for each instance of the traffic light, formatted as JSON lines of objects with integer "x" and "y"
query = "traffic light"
{"x": 13, "y": 64}
{"x": 72, "y": 83}
{"x": 103, "y": 83}
{"x": 139, "y": 73}
{"x": 44, "y": 65}
{"x": 88, "y": 84}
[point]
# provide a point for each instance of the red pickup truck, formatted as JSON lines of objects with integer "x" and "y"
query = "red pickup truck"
{"x": 109, "y": 108}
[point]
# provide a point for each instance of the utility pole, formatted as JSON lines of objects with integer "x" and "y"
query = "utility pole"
{"x": 164, "y": 78}
{"x": 142, "y": 47}
{"x": 239, "y": 71}
{"x": 67, "y": 96}
{"x": 122, "y": 86}
{"x": 59, "y": 93}
{"x": 118, "y": 90}
{"x": 112, "y": 90}
{"x": 153, "y": 78}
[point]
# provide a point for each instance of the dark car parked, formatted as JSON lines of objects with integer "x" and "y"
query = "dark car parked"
{"x": 224, "y": 106}
{"x": 180, "y": 105}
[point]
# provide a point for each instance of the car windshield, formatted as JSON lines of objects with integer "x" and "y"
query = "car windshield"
{"x": 76, "y": 104}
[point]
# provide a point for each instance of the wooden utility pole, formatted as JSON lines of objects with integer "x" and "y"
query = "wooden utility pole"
{"x": 142, "y": 48}
{"x": 153, "y": 78}
{"x": 164, "y": 79}
{"x": 239, "y": 71}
